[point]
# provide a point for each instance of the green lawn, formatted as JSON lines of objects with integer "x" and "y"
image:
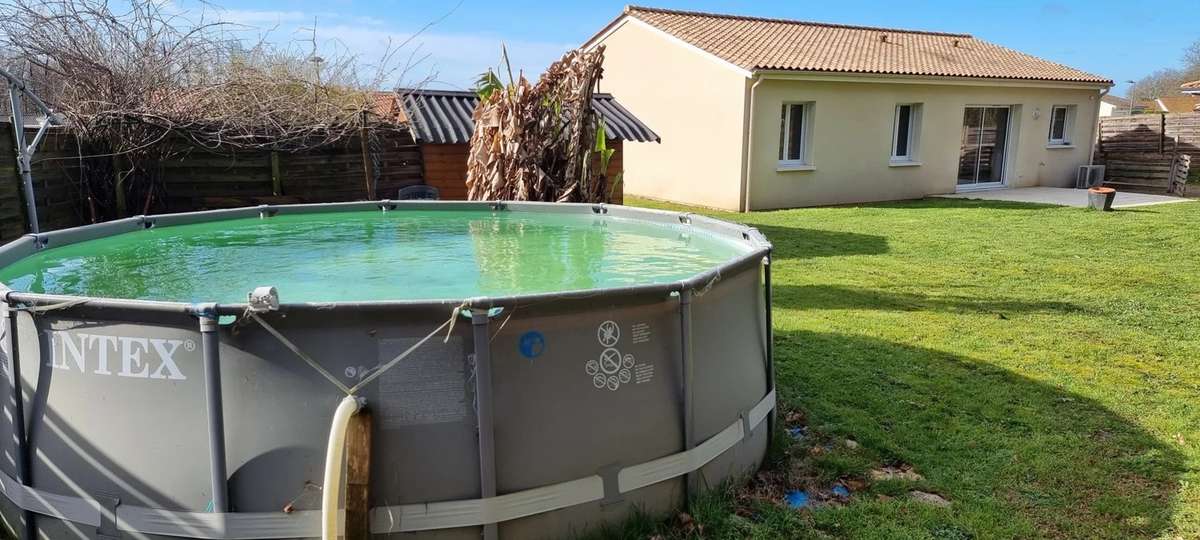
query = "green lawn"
{"x": 1037, "y": 365}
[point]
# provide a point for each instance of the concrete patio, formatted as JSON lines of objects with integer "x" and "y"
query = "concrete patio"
{"x": 1063, "y": 197}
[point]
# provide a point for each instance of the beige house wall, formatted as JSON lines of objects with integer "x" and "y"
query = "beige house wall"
{"x": 695, "y": 103}
{"x": 851, "y": 137}
{"x": 699, "y": 105}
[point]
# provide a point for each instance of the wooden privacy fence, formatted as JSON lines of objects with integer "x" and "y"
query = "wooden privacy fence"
{"x": 55, "y": 171}
{"x": 199, "y": 180}
{"x": 1150, "y": 152}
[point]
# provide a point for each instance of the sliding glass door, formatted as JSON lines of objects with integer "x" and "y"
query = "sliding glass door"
{"x": 981, "y": 159}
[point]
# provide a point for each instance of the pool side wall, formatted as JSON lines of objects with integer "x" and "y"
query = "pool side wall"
{"x": 114, "y": 399}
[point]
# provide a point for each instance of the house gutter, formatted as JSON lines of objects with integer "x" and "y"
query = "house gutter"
{"x": 747, "y": 146}
{"x": 1096, "y": 127}
{"x": 839, "y": 76}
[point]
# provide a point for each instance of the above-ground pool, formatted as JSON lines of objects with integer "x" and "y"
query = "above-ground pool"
{"x": 532, "y": 370}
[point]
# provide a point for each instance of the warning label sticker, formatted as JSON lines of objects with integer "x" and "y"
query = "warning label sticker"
{"x": 643, "y": 373}
{"x": 611, "y": 368}
{"x": 639, "y": 333}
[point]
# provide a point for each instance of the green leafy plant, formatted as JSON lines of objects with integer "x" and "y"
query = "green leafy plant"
{"x": 487, "y": 84}
{"x": 602, "y": 148}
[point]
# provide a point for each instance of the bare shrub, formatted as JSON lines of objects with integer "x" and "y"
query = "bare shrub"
{"x": 539, "y": 142}
{"x": 133, "y": 80}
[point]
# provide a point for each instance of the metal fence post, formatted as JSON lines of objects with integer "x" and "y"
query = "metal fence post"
{"x": 18, "y": 119}
{"x": 17, "y": 89}
{"x": 210, "y": 342}
{"x": 483, "y": 397}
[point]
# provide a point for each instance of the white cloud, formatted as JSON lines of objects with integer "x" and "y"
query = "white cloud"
{"x": 449, "y": 60}
{"x": 262, "y": 19}
{"x": 456, "y": 59}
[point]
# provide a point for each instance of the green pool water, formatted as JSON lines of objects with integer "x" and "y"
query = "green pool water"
{"x": 356, "y": 256}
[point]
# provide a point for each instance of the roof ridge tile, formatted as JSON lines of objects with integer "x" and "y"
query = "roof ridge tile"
{"x": 633, "y": 8}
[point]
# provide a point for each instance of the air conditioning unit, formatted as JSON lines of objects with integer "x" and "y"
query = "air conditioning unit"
{"x": 1089, "y": 176}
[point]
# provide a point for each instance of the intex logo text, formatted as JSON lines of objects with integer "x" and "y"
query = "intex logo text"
{"x": 132, "y": 356}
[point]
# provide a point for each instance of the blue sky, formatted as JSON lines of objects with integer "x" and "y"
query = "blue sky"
{"x": 1121, "y": 40}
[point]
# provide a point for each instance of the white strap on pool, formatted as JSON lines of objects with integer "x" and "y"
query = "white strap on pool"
{"x": 389, "y": 519}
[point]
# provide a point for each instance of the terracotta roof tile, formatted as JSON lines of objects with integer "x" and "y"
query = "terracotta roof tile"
{"x": 1177, "y": 104}
{"x": 1114, "y": 100}
{"x": 386, "y": 106}
{"x": 755, "y": 43}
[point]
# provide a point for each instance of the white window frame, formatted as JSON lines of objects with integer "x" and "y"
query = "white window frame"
{"x": 1068, "y": 127}
{"x": 804, "y": 163}
{"x": 914, "y": 136}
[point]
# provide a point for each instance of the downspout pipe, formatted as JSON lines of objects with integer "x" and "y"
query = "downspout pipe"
{"x": 747, "y": 151}
{"x": 1096, "y": 127}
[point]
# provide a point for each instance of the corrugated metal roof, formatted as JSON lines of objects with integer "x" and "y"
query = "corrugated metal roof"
{"x": 444, "y": 117}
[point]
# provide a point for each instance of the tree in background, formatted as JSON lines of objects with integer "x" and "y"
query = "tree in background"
{"x": 1166, "y": 81}
{"x": 136, "y": 83}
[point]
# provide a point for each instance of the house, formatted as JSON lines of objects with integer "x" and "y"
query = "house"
{"x": 441, "y": 123}
{"x": 759, "y": 113}
{"x": 1177, "y": 104}
{"x": 386, "y": 105}
{"x": 1191, "y": 88}
{"x": 1113, "y": 105}
{"x": 1109, "y": 104}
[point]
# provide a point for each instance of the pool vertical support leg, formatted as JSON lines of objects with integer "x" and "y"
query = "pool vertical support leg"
{"x": 210, "y": 342}
{"x": 685, "y": 348}
{"x": 768, "y": 297}
{"x": 17, "y": 404}
{"x": 480, "y": 323}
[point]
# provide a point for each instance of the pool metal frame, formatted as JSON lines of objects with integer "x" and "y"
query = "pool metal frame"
{"x": 487, "y": 511}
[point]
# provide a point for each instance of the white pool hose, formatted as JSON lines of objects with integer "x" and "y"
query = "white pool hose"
{"x": 331, "y": 491}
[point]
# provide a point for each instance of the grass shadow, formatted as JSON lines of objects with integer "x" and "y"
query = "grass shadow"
{"x": 837, "y": 297}
{"x": 958, "y": 203}
{"x": 993, "y": 442}
{"x": 798, "y": 243}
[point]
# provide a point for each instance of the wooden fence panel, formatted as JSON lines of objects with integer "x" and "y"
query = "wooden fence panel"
{"x": 336, "y": 173}
{"x": 192, "y": 180}
{"x": 1149, "y": 152}
{"x": 55, "y": 171}
{"x": 445, "y": 167}
{"x": 196, "y": 179}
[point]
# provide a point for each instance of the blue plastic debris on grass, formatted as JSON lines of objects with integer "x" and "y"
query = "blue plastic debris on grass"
{"x": 796, "y": 432}
{"x": 796, "y": 499}
{"x": 841, "y": 491}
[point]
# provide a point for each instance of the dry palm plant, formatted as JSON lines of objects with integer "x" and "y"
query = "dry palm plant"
{"x": 137, "y": 82}
{"x": 541, "y": 142}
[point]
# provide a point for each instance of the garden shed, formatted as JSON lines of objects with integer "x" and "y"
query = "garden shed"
{"x": 441, "y": 123}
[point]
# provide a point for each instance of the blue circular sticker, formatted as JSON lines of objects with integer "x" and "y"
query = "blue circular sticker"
{"x": 532, "y": 344}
